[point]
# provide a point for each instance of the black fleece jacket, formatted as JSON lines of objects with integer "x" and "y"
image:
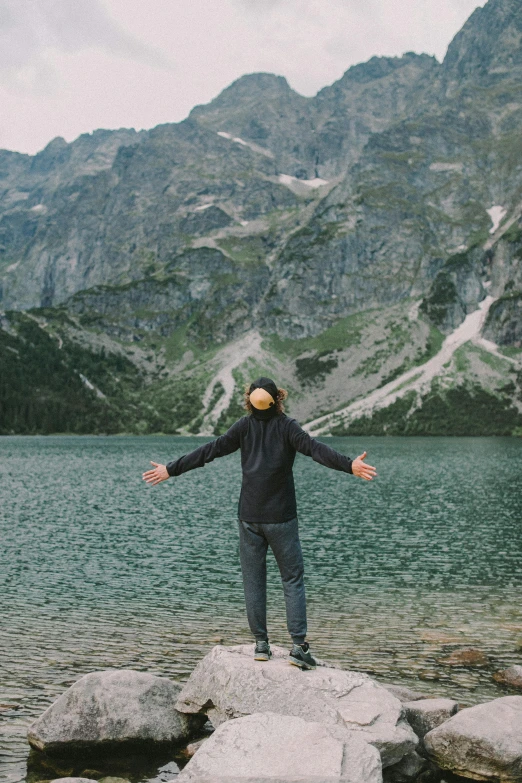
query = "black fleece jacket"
{"x": 268, "y": 447}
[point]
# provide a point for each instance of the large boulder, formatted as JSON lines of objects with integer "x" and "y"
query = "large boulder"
{"x": 283, "y": 748}
{"x": 113, "y": 706}
{"x": 483, "y": 742}
{"x": 229, "y": 683}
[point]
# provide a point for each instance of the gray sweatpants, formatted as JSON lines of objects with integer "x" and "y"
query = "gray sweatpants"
{"x": 283, "y": 537}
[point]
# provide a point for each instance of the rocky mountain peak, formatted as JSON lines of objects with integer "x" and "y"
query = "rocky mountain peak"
{"x": 55, "y": 153}
{"x": 263, "y": 109}
{"x": 249, "y": 88}
{"x": 389, "y": 80}
{"x": 379, "y": 67}
{"x": 488, "y": 47}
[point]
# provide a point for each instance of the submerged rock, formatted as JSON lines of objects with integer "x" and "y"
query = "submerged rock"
{"x": 229, "y": 683}
{"x": 113, "y": 706}
{"x": 483, "y": 742}
{"x": 283, "y": 748}
{"x": 467, "y": 657}
{"x": 510, "y": 676}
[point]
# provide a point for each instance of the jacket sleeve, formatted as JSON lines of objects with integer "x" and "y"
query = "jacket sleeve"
{"x": 320, "y": 452}
{"x": 219, "y": 447}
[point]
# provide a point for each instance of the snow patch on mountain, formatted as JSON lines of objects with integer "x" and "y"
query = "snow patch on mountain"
{"x": 286, "y": 179}
{"x": 496, "y": 214}
{"x": 441, "y": 166}
{"x": 249, "y": 144}
{"x": 86, "y": 382}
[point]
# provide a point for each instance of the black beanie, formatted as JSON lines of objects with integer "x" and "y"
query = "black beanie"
{"x": 267, "y": 384}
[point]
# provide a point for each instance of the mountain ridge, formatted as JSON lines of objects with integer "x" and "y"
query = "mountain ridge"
{"x": 314, "y": 225}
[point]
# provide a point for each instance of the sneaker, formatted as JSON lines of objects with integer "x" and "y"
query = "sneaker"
{"x": 262, "y": 651}
{"x": 300, "y": 656}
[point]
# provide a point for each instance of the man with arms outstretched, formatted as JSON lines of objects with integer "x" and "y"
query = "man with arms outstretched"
{"x": 267, "y": 510}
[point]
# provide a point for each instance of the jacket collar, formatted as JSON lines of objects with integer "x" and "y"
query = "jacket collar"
{"x": 265, "y": 415}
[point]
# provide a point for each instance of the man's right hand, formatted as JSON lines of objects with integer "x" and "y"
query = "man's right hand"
{"x": 158, "y": 474}
{"x": 361, "y": 469}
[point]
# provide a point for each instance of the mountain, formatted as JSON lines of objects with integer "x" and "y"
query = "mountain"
{"x": 345, "y": 243}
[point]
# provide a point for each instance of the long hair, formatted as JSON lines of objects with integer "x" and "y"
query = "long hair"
{"x": 282, "y": 394}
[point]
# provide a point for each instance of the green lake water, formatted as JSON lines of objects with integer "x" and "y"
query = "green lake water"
{"x": 99, "y": 570}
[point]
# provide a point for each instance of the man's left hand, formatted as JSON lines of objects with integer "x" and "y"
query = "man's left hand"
{"x": 361, "y": 469}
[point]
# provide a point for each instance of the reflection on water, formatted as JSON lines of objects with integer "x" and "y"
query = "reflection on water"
{"x": 158, "y": 766}
{"x": 99, "y": 570}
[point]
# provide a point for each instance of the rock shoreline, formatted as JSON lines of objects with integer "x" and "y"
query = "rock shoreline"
{"x": 273, "y": 722}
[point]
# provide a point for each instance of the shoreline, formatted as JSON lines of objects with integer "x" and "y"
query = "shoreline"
{"x": 210, "y": 437}
{"x": 227, "y": 693}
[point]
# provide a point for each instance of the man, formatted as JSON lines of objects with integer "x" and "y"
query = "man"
{"x": 267, "y": 512}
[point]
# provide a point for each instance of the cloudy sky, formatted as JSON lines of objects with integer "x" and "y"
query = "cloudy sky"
{"x": 71, "y": 66}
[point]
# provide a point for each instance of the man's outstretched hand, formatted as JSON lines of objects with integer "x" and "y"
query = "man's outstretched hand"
{"x": 158, "y": 474}
{"x": 361, "y": 469}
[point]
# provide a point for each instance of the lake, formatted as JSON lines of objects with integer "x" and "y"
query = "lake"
{"x": 99, "y": 570}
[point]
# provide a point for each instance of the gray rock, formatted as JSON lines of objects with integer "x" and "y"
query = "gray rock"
{"x": 73, "y": 780}
{"x": 283, "y": 748}
{"x": 483, "y": 742}
{"x": 206, "y": 221}
{"x": 229, "y": 683}
{"x": 403, "y": 693}
{"x": 117, "y": 705}
{"x": 510, "y": 676}
{"x": 504, "y": 323}
{"x": 113, "y": 779}
{"x": 455, "y": 291}
{"x": 425, "y": 715}
{"x": 407, "y": 769}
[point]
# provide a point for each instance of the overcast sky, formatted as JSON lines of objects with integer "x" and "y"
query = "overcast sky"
{"x": 71, "y": 66}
